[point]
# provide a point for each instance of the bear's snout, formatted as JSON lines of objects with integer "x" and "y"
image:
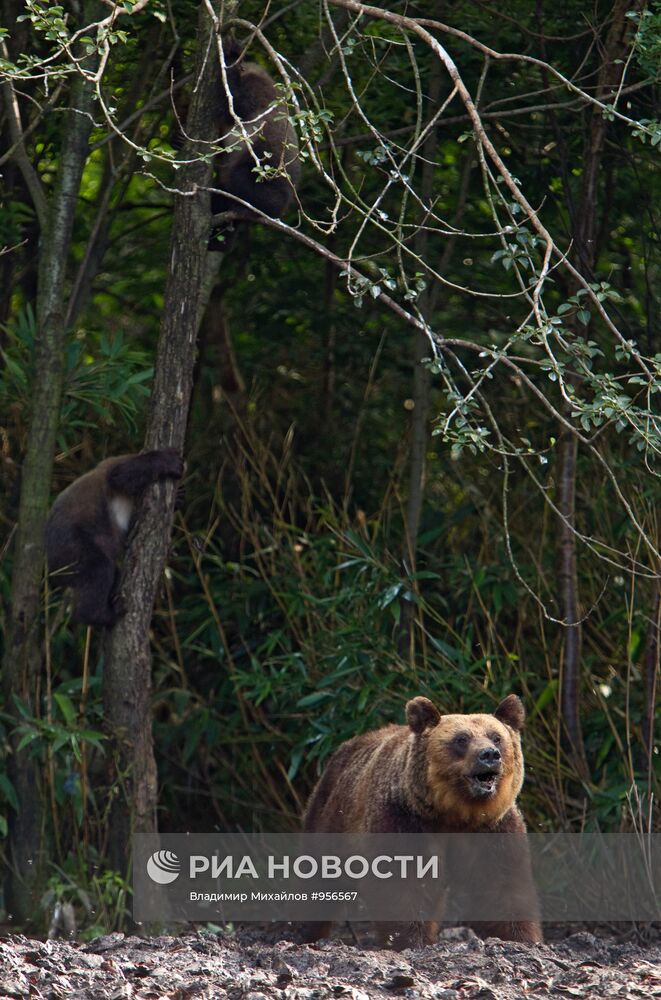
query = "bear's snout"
{"x": 486, "y": 772}
{"x": 489, "y": 756}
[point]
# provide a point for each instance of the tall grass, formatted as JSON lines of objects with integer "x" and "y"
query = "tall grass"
{"x": 280, "y": 638}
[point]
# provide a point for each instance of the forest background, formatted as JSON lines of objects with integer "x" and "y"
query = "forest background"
{"x": 423, "y": 439}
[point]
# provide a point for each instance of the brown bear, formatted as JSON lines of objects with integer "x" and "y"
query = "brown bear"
{"x": 438, "y": 774}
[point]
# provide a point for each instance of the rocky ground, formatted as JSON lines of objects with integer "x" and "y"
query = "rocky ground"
{"x": 254, "y": 966}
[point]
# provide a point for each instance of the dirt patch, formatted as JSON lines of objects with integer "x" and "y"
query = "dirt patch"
{"x": 249, "y": 966}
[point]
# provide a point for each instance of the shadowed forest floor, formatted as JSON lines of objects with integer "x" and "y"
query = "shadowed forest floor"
{"x": 251, "y": 966}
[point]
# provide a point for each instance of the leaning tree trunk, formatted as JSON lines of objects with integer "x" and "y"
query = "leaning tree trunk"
{"x": 127, "y": 660}
{"x": 22, "y": 656}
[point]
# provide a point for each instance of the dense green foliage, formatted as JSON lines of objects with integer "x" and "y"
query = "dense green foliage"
{"x": 279, "y": 629}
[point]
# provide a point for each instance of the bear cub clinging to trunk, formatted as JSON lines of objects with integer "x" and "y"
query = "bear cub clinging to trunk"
{"x": 88, "y": 525}
{"x": 438, "y": 774}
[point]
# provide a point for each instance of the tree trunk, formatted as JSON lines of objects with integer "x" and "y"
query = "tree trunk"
{"x": 586, "y": 251}
{"x": 127, "y": 660}
{"x": 330, "y": 340}
{"x": 22, "y": 657}
{"x": 421, "y": 376}
{"x": 651, "y": 674}
{"x": 568, "y": 587}
{"x": 421, "y": 385}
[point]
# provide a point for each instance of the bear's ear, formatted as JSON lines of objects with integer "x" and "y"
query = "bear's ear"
{"x": 511, "y": 712}
{"x": 421, "y": 714}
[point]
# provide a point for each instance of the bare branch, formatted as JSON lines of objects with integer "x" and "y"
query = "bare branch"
{"x": 18, "y": 151}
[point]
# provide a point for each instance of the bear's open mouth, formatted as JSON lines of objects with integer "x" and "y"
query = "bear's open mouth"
{"x": 484, "y": 782}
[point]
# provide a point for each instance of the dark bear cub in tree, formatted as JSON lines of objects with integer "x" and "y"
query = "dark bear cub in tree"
{"x": 438, "y": 774}
{"x": 271, "y": 143}
{"x": 88, "y": 524}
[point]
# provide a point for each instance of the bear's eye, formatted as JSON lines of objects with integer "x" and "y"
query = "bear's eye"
{"x": 460, "y": 741}
{"x": 495, "y": 738}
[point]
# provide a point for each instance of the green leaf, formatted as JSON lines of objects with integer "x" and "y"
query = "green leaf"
{"x": 26, "y": 740}
{"x": 604, "y": 749}
{"x": 545, "y": 698}
{"x": 23, "y": 709}
{"x": 296, "y": 758}
{"x": 313, "y": 699}
{"x": 66, "y": 707}
{"x": 452, "y": 654}
{"x": 9, "y": 792}
{"x": 389, "y": 595}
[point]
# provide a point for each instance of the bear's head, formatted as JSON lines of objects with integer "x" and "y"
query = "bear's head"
{"x": 473, "y": 763}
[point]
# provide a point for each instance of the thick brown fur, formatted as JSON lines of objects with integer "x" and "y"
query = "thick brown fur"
{"x": 438, "y": 774}
{"x": 272, "y": 139}
{"x": 88, "y": 524}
